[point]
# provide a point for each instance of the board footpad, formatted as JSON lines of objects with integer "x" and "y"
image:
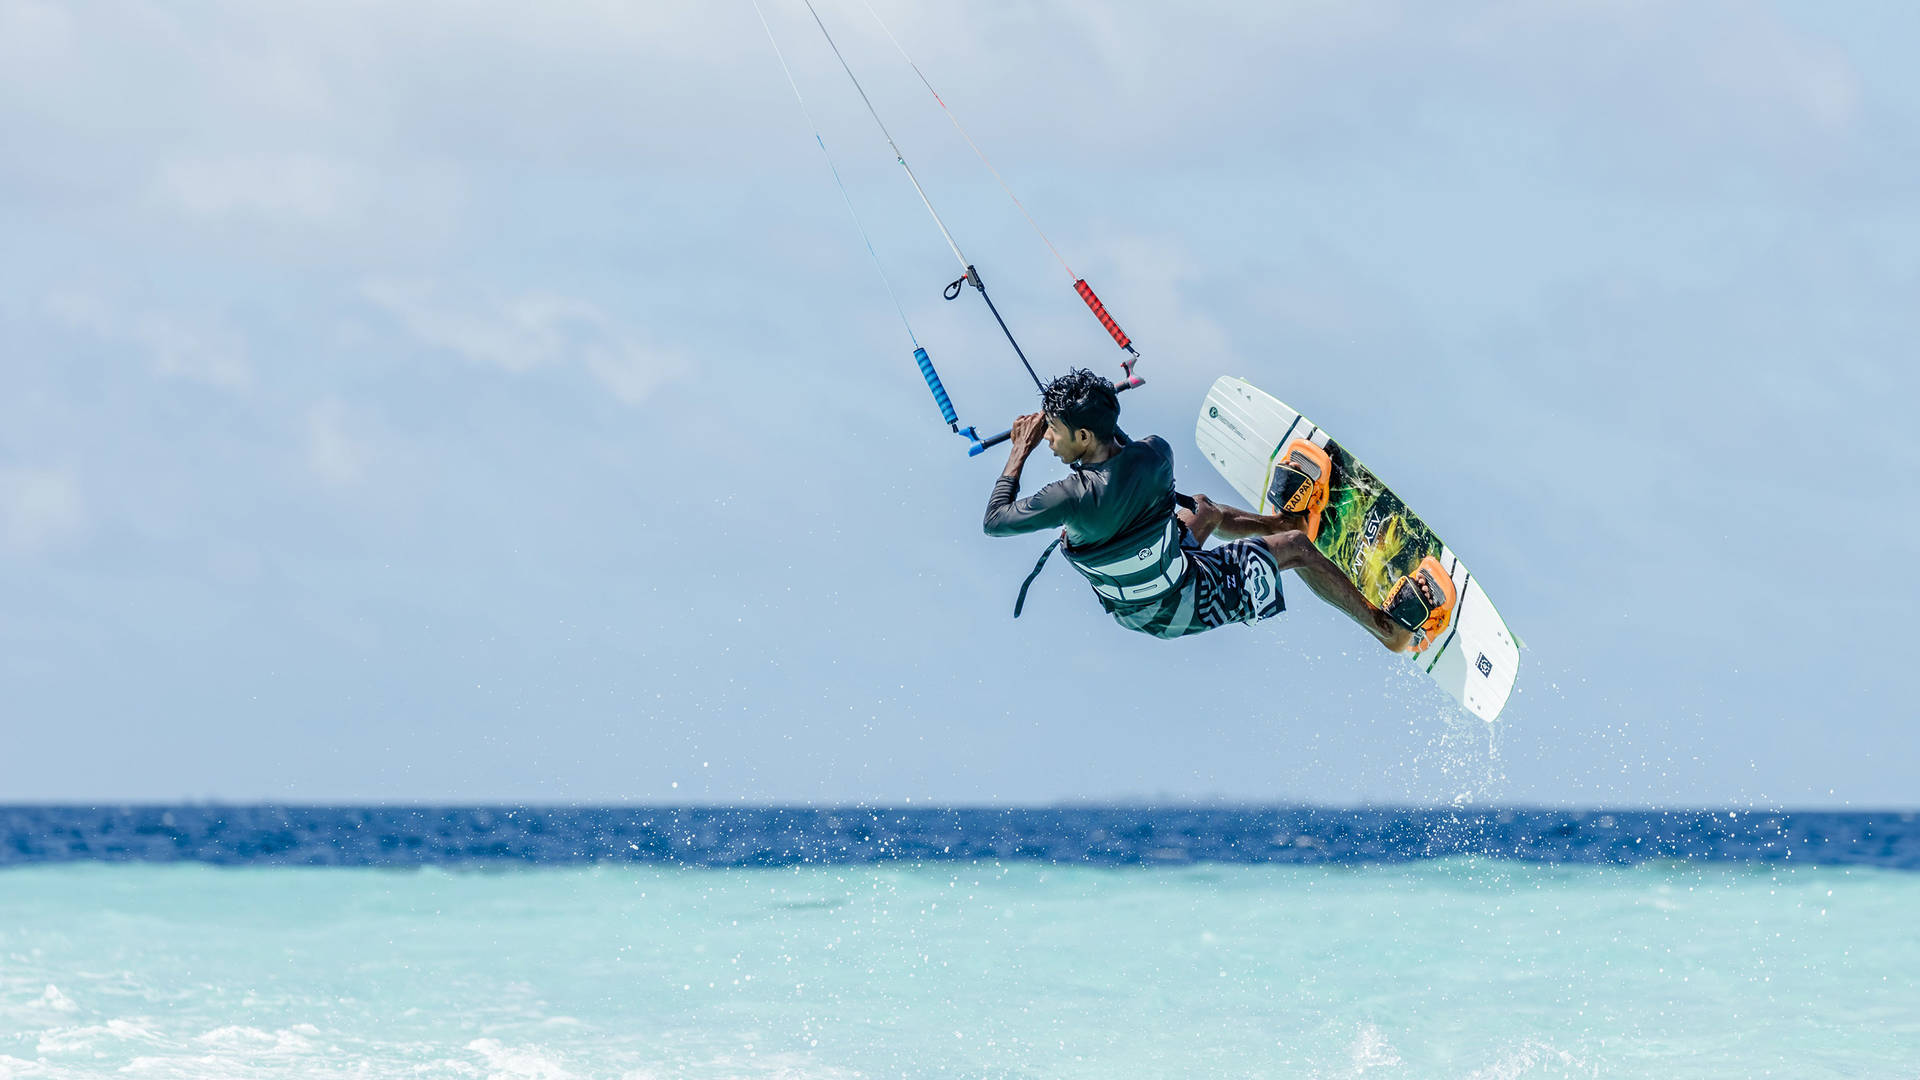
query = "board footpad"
{"x": 1300, "y": 483}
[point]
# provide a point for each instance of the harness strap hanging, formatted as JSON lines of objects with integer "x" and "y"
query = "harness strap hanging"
{"x": 1037, "y": 567}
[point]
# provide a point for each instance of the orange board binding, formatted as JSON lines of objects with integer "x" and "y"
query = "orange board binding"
{"x": 1300, "y": 483}
{"x": 1407, "y": 605}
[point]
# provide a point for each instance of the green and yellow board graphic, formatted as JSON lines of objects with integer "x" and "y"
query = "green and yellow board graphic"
{"x": 1368, "y": 531}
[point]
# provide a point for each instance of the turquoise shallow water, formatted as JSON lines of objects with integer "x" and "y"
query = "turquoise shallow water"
{"x": 1456, "y": 968}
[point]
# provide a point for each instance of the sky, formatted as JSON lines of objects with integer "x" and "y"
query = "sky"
{"x": 493, "y": 402}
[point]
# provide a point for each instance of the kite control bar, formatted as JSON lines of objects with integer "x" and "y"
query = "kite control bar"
{"x": 981, "y": 446}
{"x": 1120, "y": 338}
{"x": 972, "y": 277}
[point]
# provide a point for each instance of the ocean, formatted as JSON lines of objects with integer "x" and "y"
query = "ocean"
{"x": 642, "y": 943}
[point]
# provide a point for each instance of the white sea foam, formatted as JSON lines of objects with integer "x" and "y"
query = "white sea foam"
{"x": 256, "y": 1041}
{"x": 71, "y": 1040}
{"x": 504, "y": 1062}
{"x": 1518, "y": 1061}
{"x": 1370, "y": 1050}
{"x": 53, "y": 999}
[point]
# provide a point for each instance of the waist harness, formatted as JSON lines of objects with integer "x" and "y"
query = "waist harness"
{"x": 1138, "y": 565}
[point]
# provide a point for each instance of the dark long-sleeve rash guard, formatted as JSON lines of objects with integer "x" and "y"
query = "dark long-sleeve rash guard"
{"x": 1096, "y": 502}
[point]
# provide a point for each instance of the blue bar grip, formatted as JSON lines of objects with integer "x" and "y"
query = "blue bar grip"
{"x": 933, "y": 384}
{"x": 980, "y": 445}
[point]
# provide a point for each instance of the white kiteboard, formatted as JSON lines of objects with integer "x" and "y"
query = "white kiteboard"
{"x": 1369, "y": 532}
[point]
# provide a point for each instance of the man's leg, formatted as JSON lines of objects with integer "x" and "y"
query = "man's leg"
{"x": 1293, "y": 551}
{"x": 1233, "y": 523}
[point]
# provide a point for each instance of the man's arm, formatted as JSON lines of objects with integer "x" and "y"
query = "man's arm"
{"x": 1045, "y": 509}
{"x": 1235, "y": 523}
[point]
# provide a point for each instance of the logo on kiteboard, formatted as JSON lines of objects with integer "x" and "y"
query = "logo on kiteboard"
{"x": 1370, "y": 531}
{"x": 1213, "y": 413}
{"x": 1485, "y": 665}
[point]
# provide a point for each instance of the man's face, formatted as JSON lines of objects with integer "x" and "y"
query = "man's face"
{"x": 1067, "y": 444}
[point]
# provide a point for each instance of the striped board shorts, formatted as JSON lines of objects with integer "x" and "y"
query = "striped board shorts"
{"x": 1235, "y": 582}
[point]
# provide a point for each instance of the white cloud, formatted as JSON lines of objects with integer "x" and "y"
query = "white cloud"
{"x": 335, "y": 452}
{"x": 1735, "y": 71}
{"x": 39, "y": 507}
{"x": 302, "y": 188}
{"x": 79, "y": 311}
{"x": 1629, "y": 78}
{"x": 534, "y": 331}
{"x": 629, "y": 370}
{"x": 214, "y": 355}
{"x": 33, "y": 37}
{"x": 530, "y": 332}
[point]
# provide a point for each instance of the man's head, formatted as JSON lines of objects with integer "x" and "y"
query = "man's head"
{"x": 1083, "y": 414}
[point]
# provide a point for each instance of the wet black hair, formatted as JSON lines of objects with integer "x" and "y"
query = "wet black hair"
{"x": 1081, "y": 399}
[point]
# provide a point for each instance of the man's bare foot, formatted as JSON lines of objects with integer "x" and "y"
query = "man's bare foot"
{"x": 1404, "y": 639}
{"x": 1435, "y": 603}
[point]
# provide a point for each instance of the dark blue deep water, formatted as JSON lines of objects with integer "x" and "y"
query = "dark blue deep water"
{"x": 1107, "y": 836}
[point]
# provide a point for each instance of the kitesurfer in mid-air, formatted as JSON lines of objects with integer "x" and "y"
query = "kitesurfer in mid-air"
{"x": 1125, "y": 532}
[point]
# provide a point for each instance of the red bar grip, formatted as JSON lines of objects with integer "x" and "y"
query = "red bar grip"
{"x": 1120, "y": 337}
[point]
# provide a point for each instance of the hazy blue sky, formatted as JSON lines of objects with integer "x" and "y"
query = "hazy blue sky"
{"x": 492, "y": 401}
